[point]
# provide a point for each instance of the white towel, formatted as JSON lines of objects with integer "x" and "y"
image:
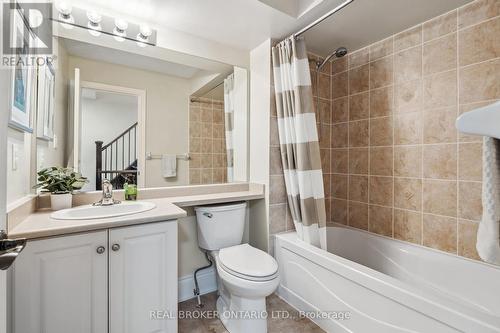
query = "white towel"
{"x": 169, "y": 165}
{"x": 488, "y": 234}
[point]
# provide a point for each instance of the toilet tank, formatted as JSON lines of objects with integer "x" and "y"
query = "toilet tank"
{"x": 220, "y": 226}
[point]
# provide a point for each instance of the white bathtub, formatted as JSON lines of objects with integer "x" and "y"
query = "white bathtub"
{"x": 387, "y": 285}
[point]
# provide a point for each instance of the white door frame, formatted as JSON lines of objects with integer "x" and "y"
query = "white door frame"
{"x": 76, "y": 120}
{"x": 141, "y": 120}
{"x": 4, "y": 115}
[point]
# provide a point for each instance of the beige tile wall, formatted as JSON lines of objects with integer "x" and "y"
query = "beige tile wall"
{"x": 398, "y": 167}
{"x": 393, "y": 161}
{"x": 207, "y": 146}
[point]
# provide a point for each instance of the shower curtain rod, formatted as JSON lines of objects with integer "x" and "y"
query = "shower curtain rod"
{"x": 322, "y": 18}
{"x": 197, "y": 99}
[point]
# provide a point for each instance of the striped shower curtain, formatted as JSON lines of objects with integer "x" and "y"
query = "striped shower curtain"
{"x": 229, "y": 124}
{"x": 299, "y": 143}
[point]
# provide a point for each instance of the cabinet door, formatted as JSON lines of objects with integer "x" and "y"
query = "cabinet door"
{"x": 143, "y": 278}
{"x": 60, "y": 285}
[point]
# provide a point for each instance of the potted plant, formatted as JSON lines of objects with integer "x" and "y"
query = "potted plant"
{"x": 60, "y": 183}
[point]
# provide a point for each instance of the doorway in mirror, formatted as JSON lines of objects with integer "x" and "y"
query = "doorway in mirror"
{"x": 109, "y": 145}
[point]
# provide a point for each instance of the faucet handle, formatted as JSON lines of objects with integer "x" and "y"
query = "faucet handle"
{"x": 107, "y": 195}
{"x": 106, "y": 183}
{"x": 107, "y": 187}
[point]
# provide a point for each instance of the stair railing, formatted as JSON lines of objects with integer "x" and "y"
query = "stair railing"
{"x": 118, "y": 157}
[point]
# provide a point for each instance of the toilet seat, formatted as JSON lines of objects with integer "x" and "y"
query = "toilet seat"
{"x": 248, "y": 263}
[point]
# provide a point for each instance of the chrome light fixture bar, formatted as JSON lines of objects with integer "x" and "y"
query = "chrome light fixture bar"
{"x": 97, "y": 24}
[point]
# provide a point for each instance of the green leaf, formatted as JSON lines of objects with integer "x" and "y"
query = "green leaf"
{"x": 59, "y": 180}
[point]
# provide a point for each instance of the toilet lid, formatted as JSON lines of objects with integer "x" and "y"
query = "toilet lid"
{"x": 247, "y": 261}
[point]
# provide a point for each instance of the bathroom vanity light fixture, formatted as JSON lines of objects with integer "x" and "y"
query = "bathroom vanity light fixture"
{"x": 94, "y": 24}
{"x": 99, "y": 25}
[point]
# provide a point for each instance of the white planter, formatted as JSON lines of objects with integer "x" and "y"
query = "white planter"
{"x": 61, "y": 201}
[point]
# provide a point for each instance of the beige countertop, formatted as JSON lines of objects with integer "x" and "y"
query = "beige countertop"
{"x": 39, "y": 224}
{"x": 214, "y": 198}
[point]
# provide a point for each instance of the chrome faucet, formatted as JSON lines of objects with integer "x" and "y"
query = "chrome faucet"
{"x": 107, "y": 195}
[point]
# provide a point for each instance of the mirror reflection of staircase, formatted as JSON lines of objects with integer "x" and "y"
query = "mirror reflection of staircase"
{"x": 117, "y": 160}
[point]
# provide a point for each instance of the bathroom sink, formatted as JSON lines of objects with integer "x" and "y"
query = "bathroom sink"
{"x": 90, "y": 212}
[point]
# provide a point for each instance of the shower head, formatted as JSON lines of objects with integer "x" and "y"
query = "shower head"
{"x": 339, "y": 53}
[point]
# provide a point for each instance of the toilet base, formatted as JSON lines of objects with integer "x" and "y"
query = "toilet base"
{"x": 242, "y": 315}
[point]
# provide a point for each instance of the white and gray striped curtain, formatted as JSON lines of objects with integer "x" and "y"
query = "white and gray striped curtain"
{"x": 229, "y": 124}
{"x": 299, "y": 143}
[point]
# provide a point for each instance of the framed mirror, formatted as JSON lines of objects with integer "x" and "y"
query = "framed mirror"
{"x": 119, "y": 113}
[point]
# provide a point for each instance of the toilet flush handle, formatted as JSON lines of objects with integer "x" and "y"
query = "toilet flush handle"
{"x": 209, "y": 215}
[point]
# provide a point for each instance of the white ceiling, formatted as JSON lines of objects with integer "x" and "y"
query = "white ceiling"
{"x": 364, "y": 22}
{"x": 295, "y": 8}
{"x": 110, "y": 97}
{"x": 242, "y": 24}
{"x": 245, "y": 24}
{"x": 119, "y": 57}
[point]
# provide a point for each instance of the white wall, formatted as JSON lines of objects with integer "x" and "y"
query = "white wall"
{"x": 166, "y": 111}
{"x": 19, "y": 172}
{"x": 260, "y": 111}
{"x": 21, "y": 178}
{"x": 103, "y": 119}
{"x": 18, "y": 180}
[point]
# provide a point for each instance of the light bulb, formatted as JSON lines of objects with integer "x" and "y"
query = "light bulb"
{"x": 94, "y": 23}
{"x": 141, "y": 38}
{"x": 94, "y": 17}
{"x": 64, "y": 8}
{"x": 94, "y": 29}
{"x": 121, "y": 24}
{"x": 120, "y": 30}
{"x": 65, "y": 15}
{"x": 145, "y": 31}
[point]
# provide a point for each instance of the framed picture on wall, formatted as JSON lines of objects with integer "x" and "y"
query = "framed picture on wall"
{"x": 22, "y": 79}
{"x": 45, "y": 100}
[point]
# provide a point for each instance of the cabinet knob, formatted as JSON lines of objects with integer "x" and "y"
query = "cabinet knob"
{"x": 115, "y": 247}
{"x": 100, "y": 249}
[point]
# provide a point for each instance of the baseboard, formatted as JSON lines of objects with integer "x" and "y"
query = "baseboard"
{"x": 206, "y": 281}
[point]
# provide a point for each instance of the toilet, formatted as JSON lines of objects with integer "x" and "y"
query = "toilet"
{"x": 246, "y": 275}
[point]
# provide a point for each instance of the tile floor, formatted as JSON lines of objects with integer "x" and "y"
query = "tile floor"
{"x": 275, "y": 325}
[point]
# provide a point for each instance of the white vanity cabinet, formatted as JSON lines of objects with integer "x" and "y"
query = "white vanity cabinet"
{"x": 142, "y": 278}
{"x": 98, "y": 282}
{"x": 61, "y": 285}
